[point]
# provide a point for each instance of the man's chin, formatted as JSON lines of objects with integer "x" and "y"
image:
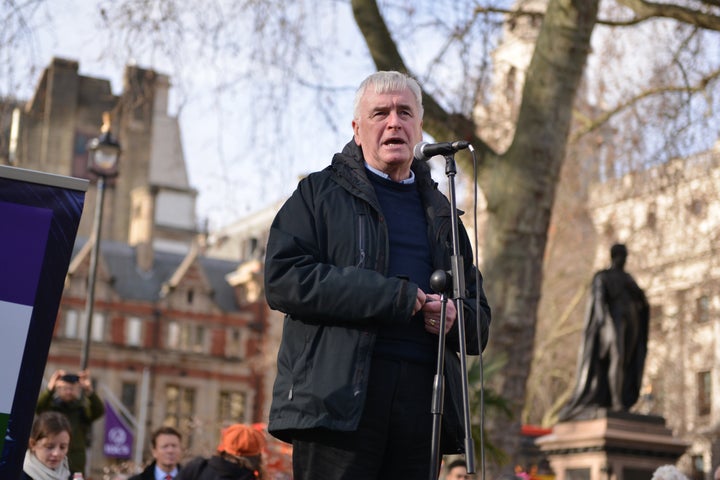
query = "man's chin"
{"x": 399, "y": 157}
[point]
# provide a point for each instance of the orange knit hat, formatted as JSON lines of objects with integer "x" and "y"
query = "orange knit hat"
{"x": 241, "y": 440}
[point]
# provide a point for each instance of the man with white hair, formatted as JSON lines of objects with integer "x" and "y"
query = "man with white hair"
{"x": 349, "y": 261}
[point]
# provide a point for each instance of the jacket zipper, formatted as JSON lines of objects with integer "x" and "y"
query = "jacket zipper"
{"x": 361, "y": 239}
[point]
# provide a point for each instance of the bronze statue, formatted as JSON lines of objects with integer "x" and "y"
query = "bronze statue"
{"x": 612, "y": 357}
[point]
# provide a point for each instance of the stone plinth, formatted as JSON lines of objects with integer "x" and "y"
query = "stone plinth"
{"x": 610, "y": 446}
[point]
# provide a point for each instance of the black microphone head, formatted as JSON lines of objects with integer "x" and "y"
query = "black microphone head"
{"x": 418, "y": 152}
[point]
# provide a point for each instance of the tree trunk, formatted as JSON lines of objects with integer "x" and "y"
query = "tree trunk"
{"x": 520, "y": 187}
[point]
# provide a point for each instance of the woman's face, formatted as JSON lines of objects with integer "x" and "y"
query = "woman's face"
{"x": 51, "y": 450}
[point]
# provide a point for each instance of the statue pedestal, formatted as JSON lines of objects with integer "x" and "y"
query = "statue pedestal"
{"x": 604, "y": 445}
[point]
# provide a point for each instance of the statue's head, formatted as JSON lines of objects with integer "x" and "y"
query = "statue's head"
{"x": 618, "y": 254}
{"x": 618, "y": 250}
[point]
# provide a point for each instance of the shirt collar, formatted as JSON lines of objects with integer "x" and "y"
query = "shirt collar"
{"x": 386, "y": 176}
{"x": 161, "y": 474}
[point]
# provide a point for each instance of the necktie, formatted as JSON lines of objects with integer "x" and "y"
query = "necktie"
{"x": 168, "y": 477}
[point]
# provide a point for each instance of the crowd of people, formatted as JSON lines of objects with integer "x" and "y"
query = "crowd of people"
{"x": 238, "y": 456}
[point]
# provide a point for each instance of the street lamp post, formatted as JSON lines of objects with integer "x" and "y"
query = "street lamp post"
{"x": 103, "y": 154}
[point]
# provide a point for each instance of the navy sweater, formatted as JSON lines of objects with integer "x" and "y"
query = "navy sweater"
{"x": 410, "y": 258}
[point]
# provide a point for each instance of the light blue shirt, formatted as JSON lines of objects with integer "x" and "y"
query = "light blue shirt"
{"x": 162, "y": 475}
{"x": 386, "y": 176}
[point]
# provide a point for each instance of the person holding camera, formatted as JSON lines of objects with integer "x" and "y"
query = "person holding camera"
{"x": 74, "y": 396}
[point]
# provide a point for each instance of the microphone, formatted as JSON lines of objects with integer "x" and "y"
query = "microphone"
{"x": 424, "y": 151}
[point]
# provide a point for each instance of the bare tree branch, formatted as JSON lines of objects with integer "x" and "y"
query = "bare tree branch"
{"x": 591, "y": 125}
{"x": 645, "y": 10}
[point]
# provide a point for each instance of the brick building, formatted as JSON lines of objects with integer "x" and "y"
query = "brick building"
{"x": 175, "y": 338}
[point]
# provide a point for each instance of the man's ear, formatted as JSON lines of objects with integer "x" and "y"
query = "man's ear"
{"x": 356, "y": 128}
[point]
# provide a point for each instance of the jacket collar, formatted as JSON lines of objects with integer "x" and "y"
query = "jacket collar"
{"x": 350, "y": 172}
{"x": 351, "y": 162}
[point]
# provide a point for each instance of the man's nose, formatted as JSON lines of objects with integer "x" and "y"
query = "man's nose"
{"x": 393, "y": 119}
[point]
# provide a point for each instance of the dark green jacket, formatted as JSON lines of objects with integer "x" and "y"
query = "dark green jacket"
{"x": 326, "y": 264}
{"x": 81, "y": 413}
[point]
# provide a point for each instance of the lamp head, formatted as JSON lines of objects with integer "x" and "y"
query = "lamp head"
{"x": 104, "y": 151}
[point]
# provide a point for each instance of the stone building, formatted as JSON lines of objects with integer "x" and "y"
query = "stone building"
{"x": 176, "y": 339}
{"x": 51, "y": 132}
{"x": 669, "y": 217}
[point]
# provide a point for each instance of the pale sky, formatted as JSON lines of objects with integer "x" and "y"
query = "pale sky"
{"x": 235, "y": 172}
{"x": 242, "y": 152}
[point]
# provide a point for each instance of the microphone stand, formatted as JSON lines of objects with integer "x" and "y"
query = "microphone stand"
{"x": 438, "y": 281}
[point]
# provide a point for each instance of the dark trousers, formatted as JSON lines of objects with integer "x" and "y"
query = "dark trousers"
{"x": 393, "y": 439}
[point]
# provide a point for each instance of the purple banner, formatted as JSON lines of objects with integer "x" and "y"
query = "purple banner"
{"x": 118, "y": 436}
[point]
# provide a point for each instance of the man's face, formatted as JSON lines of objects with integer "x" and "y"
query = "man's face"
{"x": 66, "y": 391}
{"x": 167, "y": 451}
{"x": 457, "y": 473}
{"x": 387, "y": 128}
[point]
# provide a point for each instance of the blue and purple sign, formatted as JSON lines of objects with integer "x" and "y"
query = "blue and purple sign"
{"x": 39, "y": 217}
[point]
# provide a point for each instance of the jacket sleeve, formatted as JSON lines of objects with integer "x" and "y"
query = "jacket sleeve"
{"x": 95, "y": 407}
{"x": 44, "y": 401}
{"x": 311, "y": 268}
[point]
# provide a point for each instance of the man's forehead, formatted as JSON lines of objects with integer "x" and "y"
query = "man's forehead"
{"x": 167, "y": 438}
{"x": 388, "y": 99}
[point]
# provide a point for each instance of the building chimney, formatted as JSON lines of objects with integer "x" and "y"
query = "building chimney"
{"x": 142, "y": 225}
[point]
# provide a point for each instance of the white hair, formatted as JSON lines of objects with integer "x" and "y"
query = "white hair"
{"x": 388, "y": 81}
{"x": 668, "y": 472}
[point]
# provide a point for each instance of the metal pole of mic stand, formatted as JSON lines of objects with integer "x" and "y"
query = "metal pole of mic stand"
{"x": 458, "y": 279}
{"x": 438, "y": 282}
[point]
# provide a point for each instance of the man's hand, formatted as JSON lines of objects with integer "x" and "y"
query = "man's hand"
{"x": 419, "y": 301}
{"x": 85, "y": 382}
{"x": 54, "y": 378}
{"x": 431, "y": 310}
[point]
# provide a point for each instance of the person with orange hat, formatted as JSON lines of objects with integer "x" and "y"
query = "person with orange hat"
{"x": 239, "y": 457}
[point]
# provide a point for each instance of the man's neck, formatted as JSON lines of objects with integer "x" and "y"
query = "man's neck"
{"x": 405, "y": 176}
{"x": 166, "y": 468}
